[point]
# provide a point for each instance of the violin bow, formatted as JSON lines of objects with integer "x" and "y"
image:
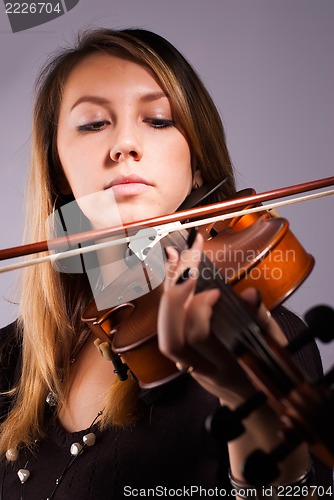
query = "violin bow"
{"x": 165, "y": 223}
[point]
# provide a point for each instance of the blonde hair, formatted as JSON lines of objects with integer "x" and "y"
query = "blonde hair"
{"x": 51, "y": 302}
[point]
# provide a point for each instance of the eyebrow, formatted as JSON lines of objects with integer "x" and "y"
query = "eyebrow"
{"x": 149, "y": 97}
{"x": 153, "y": 96}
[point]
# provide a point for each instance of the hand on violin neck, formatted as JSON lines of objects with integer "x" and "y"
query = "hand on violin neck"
{"x": 184, "y": 329}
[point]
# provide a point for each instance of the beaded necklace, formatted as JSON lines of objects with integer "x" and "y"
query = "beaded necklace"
{"x": 76, "y": 449}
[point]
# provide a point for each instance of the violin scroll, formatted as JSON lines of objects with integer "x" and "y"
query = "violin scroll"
{"x": 306, "y": 409}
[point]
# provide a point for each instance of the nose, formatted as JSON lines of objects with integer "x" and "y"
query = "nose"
{"x": 126, "y": 144}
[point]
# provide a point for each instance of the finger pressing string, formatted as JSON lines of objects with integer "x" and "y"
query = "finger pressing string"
{"x": 190, "y": 241}
{"x": 181, "y": 267}
{"x": 171, "y": 254}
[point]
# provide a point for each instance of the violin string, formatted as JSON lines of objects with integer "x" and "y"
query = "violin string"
{"x": 161, "y": 231}
{"x": 234, "y": 312}
{"x": 251, "y": 337}
{"x": 248, "y": 332}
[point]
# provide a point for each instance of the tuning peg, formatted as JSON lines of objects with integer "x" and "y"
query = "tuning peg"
{"x": 320, "y": 321}
{"x": 261, "y": 468}
{"x": 225, "y": 424}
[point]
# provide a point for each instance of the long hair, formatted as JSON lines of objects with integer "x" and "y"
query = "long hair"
{"x": 51, "y": 303}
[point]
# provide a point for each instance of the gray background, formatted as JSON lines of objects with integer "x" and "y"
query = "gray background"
{"x": 269, "y": 67}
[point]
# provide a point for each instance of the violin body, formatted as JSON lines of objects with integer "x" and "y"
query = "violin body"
{"x": 262, "y": 253}
{"x": 259, "y": 251}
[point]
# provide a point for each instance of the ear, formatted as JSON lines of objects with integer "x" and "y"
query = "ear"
{"x": 197, "y": 179}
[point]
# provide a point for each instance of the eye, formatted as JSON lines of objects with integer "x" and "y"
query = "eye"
{"x": 93, "y": 126}
{"x": 160, "y": 122}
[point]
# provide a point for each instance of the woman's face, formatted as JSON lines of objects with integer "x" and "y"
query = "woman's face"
{"x": 116, "y": 136}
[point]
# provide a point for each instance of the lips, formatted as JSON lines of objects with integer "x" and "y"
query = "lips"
{"x": 127, "y": 179}
{"x": 128, "y": 185}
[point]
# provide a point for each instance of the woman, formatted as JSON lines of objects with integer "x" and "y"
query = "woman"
{"x": 124, "y": 113}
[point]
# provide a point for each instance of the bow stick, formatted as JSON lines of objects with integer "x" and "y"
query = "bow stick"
{"x": 163, "y": 224}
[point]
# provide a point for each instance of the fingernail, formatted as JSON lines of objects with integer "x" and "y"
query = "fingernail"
{"x": 184, "y": 276}
{"x": 191, "y": 237}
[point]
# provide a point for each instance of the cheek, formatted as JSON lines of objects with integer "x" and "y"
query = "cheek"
{"x": 176, "y": 176}
{"x": 179, "y": 165}
{"x": 77, "y": 165}
{"x": 176, "y": 153}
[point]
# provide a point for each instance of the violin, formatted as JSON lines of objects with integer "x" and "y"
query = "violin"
{"x": 278, "y": 265}
{"x": 240, "y": 250}
{"x": 251, "y": 249}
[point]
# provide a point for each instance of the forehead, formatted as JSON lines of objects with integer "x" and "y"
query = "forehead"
{"x": 102, "y": 72}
